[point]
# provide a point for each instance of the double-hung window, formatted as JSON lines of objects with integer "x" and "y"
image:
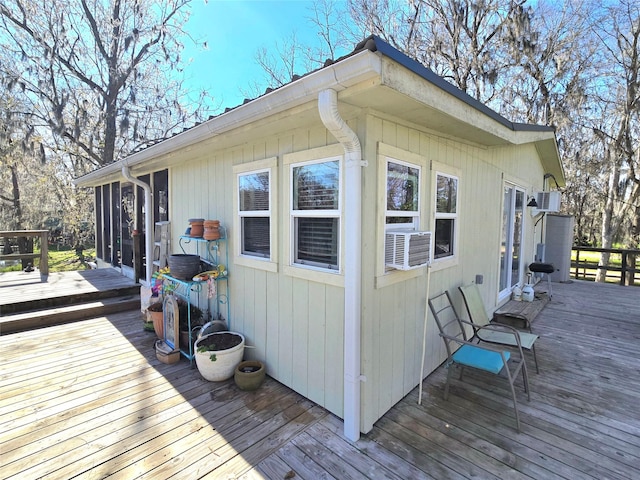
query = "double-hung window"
{"x": 254, "y": 210}
{"x": 446, "y": 215}
{"x": 315, "y": 213}
{"x": 255, "y": 223}
{"x": 403, "y": 195}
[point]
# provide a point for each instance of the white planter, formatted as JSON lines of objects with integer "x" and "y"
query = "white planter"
{"x": 225, "y": 362}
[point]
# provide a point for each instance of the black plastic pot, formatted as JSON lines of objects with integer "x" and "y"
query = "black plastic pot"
{"x": 184, "y": 266}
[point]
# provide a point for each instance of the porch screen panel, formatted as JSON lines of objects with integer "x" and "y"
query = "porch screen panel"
{"x": 161, "y": 196}
{"x": 140, "y": 225}
{"x": 140, "y": 207}
{"x": 99, "y": 229}
{"x": 128, "y": 205}
{"x": 106, "y": 223}
{"x": 115, "y": 224}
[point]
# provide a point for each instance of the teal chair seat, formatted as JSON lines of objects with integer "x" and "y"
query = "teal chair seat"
{"x": 472, "y": 356}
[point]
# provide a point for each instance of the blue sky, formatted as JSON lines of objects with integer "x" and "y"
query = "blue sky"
{"x": 234, "y": 30}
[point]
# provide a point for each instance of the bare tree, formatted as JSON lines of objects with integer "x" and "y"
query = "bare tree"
{"x": 619, "y": 128}
{"x": 282, "y": 62}
{"x": 97, "y": 80}
{"x": 97, "y": 74}
{"x": 14, "y": 144}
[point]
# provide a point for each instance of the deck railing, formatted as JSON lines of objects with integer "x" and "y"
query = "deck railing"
{"x": 622, "y": 266}
{"x": 44, "y": 247}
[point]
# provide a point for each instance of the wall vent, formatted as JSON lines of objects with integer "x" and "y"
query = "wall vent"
{"x": 405, "y": 250}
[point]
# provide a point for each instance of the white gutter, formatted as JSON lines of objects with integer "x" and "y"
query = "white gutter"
{"x": 148, "y": 225}
{"x": 328, "y": 108}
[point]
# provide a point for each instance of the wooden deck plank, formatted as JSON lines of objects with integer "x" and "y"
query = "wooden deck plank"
{"x": 290, "y": 460}
{"x": 334, "y": 464}
{"x": 147, "y": 448}
{"x": 405, "y": 449}
{"x": 270, "y": 440}
{"x": 21, "y": 291}
{"x": 64, "y": 415}
{"x": 496, "y": 465}
{"x": 492, "y": 414}
{"x": 532, "y": 458}
{"x": 375, "y": 451}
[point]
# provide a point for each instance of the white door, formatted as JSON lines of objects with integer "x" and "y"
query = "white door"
{"x": 511, "y": 239}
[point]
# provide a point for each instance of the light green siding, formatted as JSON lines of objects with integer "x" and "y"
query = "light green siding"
{"x": 393, "y": 314}
{"x": 296, "y": 324}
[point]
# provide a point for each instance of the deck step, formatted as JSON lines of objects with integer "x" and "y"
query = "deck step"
{"x": 67, "y": 300}
{"x": 39, "y": 318}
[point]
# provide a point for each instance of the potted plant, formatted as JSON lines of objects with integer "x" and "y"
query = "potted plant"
{"x": 158, "y": 289}
{"x": 218, "y": 354}
{"x": 154, "y": 313}
{"x": 197, "y": 320}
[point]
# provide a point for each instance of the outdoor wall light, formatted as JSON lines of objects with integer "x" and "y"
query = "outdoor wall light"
{"x": 532, "y": 202}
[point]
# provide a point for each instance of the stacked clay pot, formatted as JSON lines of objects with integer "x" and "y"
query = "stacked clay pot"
{"x": 197, "y": 227}
{"x": 211, "y": 229}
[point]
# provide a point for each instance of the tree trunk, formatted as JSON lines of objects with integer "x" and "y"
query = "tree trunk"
{"x": 607, "y": 223}
{"x": 17, "y": 207}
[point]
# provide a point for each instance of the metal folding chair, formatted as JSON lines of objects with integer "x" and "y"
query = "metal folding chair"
{"x": 478, "y": 317}
{"x": 463, "y": 353}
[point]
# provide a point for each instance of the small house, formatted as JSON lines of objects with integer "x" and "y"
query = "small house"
{"x": 348, "y": 196}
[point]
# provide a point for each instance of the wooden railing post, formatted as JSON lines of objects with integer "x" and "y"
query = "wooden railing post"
{"x": 630, "y": 273}
{"x": 44, "y": 253}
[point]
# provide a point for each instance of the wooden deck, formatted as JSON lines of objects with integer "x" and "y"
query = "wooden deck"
{"x": 28, "y": 287}
{"x": 89, "y": 400}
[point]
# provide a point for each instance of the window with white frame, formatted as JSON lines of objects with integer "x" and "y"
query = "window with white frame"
{"x": 254, "y": 210}
{"x": 315, "y": 213}
{"x": 403, "y": 195}
{"x": 446, "y": 215}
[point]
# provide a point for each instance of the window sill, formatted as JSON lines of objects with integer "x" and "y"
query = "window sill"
{"x": 443, "y": 263}
{"x": 397, "y": 276}
{"x": 256, "y": 263}
{"x": 336, "y": 279}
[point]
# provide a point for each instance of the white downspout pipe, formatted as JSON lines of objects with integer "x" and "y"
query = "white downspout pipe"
{"x": 328, "y": 108}
{"x": 148, "y": 225}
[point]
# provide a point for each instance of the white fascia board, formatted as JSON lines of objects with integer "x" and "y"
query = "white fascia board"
{"x": 351, "y": 71}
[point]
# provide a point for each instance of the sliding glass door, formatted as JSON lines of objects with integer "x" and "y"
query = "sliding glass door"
{"x": 511, "y": 239}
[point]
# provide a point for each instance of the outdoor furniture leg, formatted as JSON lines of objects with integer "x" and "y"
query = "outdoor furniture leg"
{"x": 535, "y": 357}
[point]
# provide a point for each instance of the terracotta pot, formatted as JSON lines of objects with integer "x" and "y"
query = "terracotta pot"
{"x": 211, "y": 230}
{"x": 158, "y": 322}
{"x": 184, "y": 339}
{"x": 197, "y": 227}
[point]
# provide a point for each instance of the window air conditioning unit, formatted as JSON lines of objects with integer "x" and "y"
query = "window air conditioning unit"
{"x": 406, "y": 250}
{"x": 548, "y": 201}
